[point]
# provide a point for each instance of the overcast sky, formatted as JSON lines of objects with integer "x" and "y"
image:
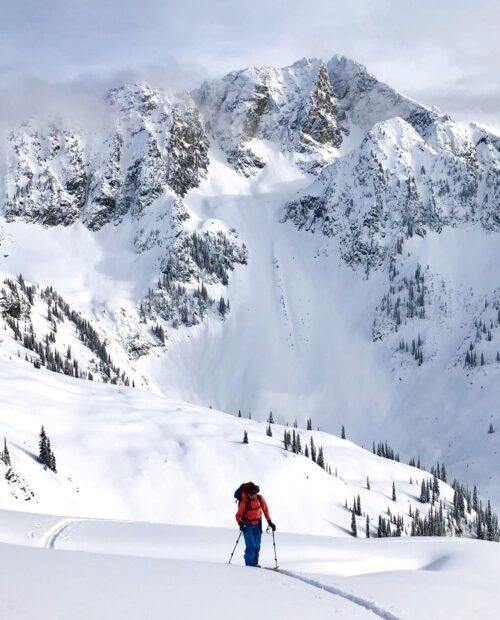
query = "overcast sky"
{"x": 441, "y": 52}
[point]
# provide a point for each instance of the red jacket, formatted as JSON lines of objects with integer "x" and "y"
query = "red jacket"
{"x": 250, "y": 510}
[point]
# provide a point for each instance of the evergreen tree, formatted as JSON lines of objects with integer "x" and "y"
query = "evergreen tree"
{"x": 393, "y": 492}
{"x": 367, "y": 526}
{"x": 222, "y": 307}
{"x": 313, "y": 451}
{"x": 239, "y": 413}
{"x": 320, "y": 460}
{"x": 43, "y": 455}
{"x": 5, "y": 453}
{"x": 424, "y": 495}
{"x": 435, "y": 487}
{"x": 342, "y": 434}
{"x": 269, "y": 432}
{"x": 245, "y": 437}
{"x": 309, "y": 424}
{"x": 491, "y": 429}
{"x": 358, "y": 506}
{"x": 270, "y": 419}
{"x": 306, "y": 451}
{"x": 354, "y": 528}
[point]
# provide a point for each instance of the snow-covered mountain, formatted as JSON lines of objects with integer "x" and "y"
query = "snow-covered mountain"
{"x": 304, "y": 240}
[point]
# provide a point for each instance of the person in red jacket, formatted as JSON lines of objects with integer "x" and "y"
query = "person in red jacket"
{"x": 249, "y": 518}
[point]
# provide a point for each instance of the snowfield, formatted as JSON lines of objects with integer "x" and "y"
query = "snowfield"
{"x": 144, "y": 487}
{"x": 128, "y": 454}
{"x": 145, "y": 570}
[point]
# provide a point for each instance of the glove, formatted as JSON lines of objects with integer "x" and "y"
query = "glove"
{"x": 272, "y": 526}
{"x": 242, "y": 527}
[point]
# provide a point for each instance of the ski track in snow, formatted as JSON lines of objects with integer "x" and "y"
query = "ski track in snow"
{"x": 49, "y": 539}
{"x": 378, "y": 611}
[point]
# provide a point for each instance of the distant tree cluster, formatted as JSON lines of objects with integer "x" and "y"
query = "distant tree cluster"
{"x": 405, "y": 300}
{"x": 465, "y": 513}
{"x": 383, "y": 449}
{"x": 207, "y": 258}
{"x": 416, "y": 348}
{"x": 46, "y": 352}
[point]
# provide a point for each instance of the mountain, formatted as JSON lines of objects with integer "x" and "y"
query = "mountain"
{"x": 303, "y": 239}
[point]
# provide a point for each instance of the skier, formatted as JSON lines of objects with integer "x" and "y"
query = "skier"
{"x": 251, "y": 505}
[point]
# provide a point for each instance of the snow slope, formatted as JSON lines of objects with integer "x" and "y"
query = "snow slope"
{"x": 150, "y": 570}
{"x": 128, "y": 454}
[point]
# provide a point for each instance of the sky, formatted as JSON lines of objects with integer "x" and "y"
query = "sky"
{"x": 444, "y": 53}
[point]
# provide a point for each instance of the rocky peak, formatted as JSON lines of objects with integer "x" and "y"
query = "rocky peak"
{"x": 293, "y": 106}
{"x": 138, "y": 97}
{"x": 369, "y": 101}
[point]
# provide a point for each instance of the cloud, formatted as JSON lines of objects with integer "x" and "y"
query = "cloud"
{"x": 435, "y": 50}
{"x": 81, "y": 99}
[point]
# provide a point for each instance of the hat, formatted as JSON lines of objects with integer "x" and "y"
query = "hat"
{"x": 253, "y": 488}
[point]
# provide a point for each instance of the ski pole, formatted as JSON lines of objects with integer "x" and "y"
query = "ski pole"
{"x": 275, "y": 558}
{"x": 237, "y": 541}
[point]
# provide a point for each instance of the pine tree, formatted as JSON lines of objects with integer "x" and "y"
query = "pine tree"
{"x": 5, "y": 453}
{"x": 367, "y": 526}
{"x": 222, "y": 307}
{"x": 320, "y": 460}
{"x": 239, "y": 413}
{"x": 245, "y": 437}
{"x": 491, "y": 430}
{"x": 435, "y": 487}
{"x": 270, "y": 419}
{"x": 354, "y": 528}
{"x": 342, "y": 434}
{"x": 43, "y": 455}
{"x": 393, "y": 492}
{"x": 424, "y": 496}
{"x": 368, "y": 486}
{"x": 358, "y": 506}
{"x": 313, "y": 451}
{"x": 309, "y": 424}
{"x": 269, "y": 432}
{"x": 306, "y": 451}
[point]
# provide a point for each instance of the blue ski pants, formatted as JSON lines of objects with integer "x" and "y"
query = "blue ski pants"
{"x": 252, "y": 536}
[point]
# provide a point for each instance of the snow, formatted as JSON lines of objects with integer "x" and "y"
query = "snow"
{"x": 129, "y": 454}
{"x": 154, "y": 569}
